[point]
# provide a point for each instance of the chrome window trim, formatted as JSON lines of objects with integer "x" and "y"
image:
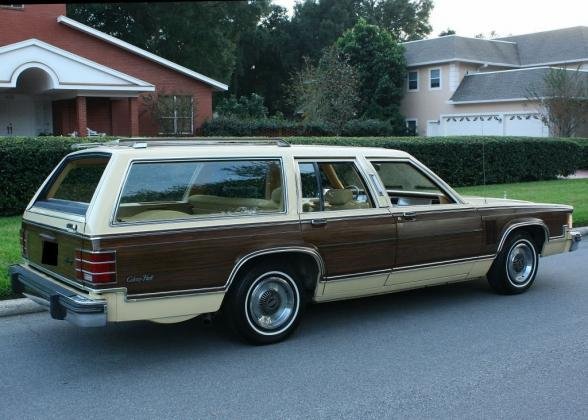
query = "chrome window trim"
{"x": 433, "y": 177}
{"x": 113, "y": 224}
{"x": 372, "y": 194}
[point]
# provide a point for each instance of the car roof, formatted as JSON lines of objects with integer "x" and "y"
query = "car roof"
{"x": 178, "y": 148}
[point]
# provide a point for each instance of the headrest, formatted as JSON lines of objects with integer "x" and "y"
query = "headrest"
{"x": 276, "y": 195}
{"x": 338, "y": 197}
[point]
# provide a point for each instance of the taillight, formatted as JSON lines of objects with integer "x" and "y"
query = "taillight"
{"x": 97, "y": 267}
{"x": 23, "y": 242}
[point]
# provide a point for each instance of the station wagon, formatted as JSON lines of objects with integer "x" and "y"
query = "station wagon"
{"x": 254, "y": 230}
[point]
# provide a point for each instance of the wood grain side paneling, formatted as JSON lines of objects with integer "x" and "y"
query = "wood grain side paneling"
{"x": 191, "y": 259}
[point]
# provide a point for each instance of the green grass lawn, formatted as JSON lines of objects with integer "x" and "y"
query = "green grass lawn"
{"x": 563, "y": 191}
{"x": 573, "y": 192}
{"x": 9, "y": 250}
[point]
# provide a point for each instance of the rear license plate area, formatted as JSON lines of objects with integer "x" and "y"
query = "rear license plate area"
{"x": 50, "y": 253}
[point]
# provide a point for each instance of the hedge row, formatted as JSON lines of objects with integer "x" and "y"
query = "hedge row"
{"x": 26, "y": 162}
{"x": 274, "y": 127}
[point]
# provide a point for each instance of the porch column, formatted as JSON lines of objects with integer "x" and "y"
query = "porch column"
{"x": 81, "y": 117}
{"x": 134, "y": 117}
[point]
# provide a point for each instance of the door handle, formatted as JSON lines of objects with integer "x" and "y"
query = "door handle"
{"x": 408, "y": 216}
{"x": 318, "y": 222}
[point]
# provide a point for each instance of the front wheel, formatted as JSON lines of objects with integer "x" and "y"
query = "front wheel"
{"x": 515, "y": 267}
{"x": 265, "y": 305}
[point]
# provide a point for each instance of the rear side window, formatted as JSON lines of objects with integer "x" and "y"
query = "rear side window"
{"x": 179, "y": 190}
{"x": 74, "y": 185}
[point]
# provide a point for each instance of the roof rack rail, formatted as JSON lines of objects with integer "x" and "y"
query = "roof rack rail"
{"x": 144, "y": 142}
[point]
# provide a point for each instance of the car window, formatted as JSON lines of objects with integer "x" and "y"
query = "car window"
{"x": 179, "y": 190}
{"x": 331, "y": 186}
{"x": 407, "y": 186}
{"x": 74, "y": 185}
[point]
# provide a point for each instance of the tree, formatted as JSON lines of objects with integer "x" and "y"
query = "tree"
{"x": 327, "y": 92}
{"x": 199, "y": 35}
{"x": 407, "y": 20}
{"x": 246, "y": 107}
{"x": 562, "y": 100}
{"x": 275, "y": 49}
{"x": 381, "y": 67}
{"x": 447, "y": 32}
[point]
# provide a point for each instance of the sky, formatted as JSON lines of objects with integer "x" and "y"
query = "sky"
{"x": 505, "y": 17}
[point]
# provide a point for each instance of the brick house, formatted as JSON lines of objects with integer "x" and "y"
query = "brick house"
{"x": 58, "y": 76}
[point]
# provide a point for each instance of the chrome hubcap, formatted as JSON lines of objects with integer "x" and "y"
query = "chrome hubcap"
{"x": 520, "y": 263}
{"x": 272, "y": 303}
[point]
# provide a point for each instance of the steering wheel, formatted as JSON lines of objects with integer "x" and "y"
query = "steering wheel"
{"x": 354, "y": 189}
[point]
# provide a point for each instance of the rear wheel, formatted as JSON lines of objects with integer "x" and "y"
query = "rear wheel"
{"x": 515, "y": 267}
{"x": 265, "y": 305}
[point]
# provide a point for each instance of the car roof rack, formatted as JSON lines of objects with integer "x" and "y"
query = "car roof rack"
{"x": 142, "y": 143}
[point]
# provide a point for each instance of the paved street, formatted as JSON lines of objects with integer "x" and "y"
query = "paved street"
{"x": 452, "y": 351}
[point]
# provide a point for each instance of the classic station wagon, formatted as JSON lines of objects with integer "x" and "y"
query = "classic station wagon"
{"x": 169, "y": 230}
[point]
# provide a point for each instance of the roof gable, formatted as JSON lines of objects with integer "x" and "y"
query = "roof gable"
{"x": 67, "y": 71}
{"x": 141, "y": 52}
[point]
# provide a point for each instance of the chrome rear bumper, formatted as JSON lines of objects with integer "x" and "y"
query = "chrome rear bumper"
{"x": 576, "y": 239}
{"x": 61, "y": 302}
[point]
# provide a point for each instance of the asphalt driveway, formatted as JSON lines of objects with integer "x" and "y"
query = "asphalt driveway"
{"x": 454, "y": 351}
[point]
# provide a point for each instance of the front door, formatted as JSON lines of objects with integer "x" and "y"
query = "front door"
{"x": 340, "y": 217}
{"x": 438, "y": 236}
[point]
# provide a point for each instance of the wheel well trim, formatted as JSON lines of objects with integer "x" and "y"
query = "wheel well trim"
{"x": 281, "y": 250}
{"x": 517, "y": 225}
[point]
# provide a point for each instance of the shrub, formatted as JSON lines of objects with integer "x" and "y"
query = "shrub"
{"x": 583, "y": 144}
{"x": 458, "y": 160}
{"x": 26, "y": 162}
{"x": 242, "y": 108}
{"x": 371, "y": 128}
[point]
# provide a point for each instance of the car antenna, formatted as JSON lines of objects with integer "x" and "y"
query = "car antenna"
{"x": 484, "y": 169}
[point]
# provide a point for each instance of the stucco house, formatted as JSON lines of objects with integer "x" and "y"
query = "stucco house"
{"x": 459, "y": 86}
{"x": 58, "y": 76}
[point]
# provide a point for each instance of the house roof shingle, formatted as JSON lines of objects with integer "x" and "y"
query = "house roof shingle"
{"x": 452, "y": 48}
{"x": 508, "y": 85}
{"x": 540, "y": 48}
{"x": 552, "y": 47}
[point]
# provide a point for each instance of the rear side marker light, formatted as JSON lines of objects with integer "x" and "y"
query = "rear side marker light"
{"x": 96, "y": 267}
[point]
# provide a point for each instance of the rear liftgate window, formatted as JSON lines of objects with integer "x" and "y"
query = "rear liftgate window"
{"x": 74, "y": 185}
{"x": 179, "y": 190}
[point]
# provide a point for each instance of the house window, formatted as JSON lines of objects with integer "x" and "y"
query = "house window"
{"x": 435, "y": 78}
{"x": 411, "y": 127}
{"x": 413, "y": 80}
{"x": 176, "y": 114}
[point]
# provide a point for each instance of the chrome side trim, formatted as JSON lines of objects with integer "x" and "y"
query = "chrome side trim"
{"x": 441, "y": 263}
{"x": 352, "y": 275}
{"x": 521, "y": 224}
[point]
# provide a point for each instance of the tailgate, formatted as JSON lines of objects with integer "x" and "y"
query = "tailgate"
{"x": 52, "y": 249}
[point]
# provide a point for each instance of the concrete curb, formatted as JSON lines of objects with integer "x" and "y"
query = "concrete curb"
{"x": 19, "y": 307}
{"x": 23, "y": 306}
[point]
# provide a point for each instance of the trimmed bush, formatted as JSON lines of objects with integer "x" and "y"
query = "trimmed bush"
{"x": 583, "y": 143}
{"x": 368, "y": 128}
{"x": 458, "y": 160}
{"x": 26, "y": 162}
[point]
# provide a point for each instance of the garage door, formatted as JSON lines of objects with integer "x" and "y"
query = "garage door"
{"x": 479, "y": 125}
{"x": 525, "y": 125}
{"x": 494, "y": 125}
